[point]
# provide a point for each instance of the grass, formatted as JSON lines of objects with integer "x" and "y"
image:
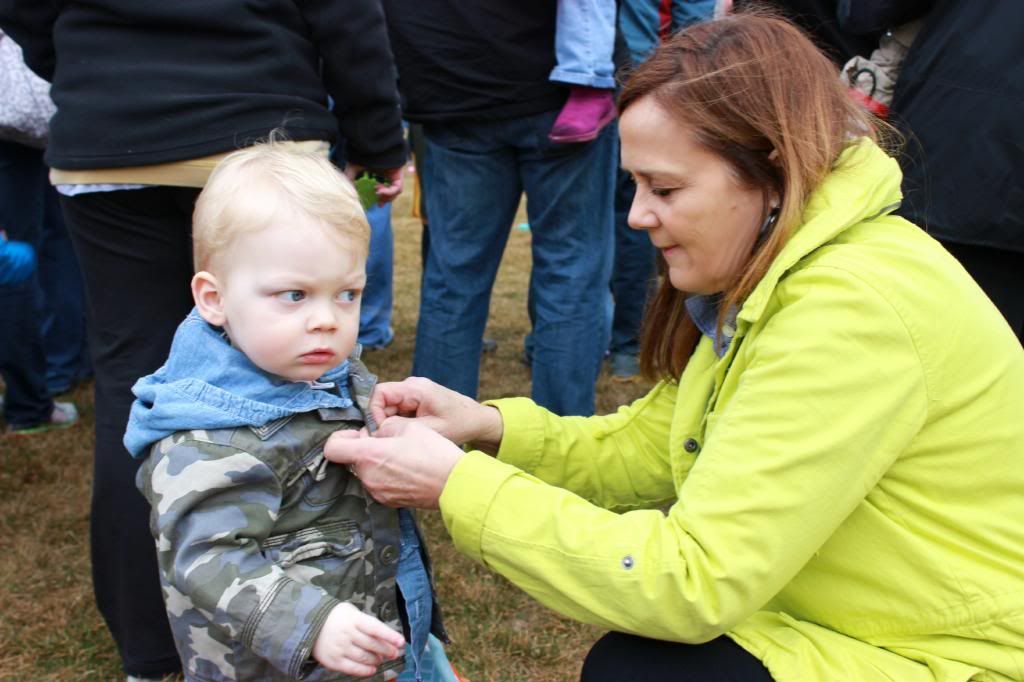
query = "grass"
{"x": 49, "y": 626}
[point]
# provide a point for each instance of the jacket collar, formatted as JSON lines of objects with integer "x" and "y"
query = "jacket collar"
{"x": 206, "y": 383}
{"x": 864, "y": 184}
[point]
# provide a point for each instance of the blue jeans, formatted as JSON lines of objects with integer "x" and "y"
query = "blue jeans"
{"x": 639, "y": 22}
{"x": 584, "y": 41}
{"x": 375, "y": 314}
{"x": 63, "y": 318}
{"x": 22, "y": 357}
{"x": 632, "y": 274}
{"x": 474, "y": 174}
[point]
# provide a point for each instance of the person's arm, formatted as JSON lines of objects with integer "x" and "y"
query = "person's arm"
{"x": 827, "y": 401}
{"x": 212, "y": 507}
{"x": 618, "y": 461}
{"x": 359, "y": 72}
{"x": 30, "y": 25}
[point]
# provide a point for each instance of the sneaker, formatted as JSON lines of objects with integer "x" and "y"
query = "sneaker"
{"x": 585, "y": 113}
{"x": 624, "y": 366}
{"x": 63, "y": 416}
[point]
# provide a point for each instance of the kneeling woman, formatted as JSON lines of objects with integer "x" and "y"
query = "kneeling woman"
{"x": 838, "y": 429}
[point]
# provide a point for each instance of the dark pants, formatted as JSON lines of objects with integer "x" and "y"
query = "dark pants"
{"x": 633, "y": 274}
{"x": 1000, "y": 274}
{"x": 23, "y": 185}
{"x": 136, "y": 256}
{"x": 626, "y": 658}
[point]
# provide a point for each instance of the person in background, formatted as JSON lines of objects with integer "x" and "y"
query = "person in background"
{"x": 132, "y": 143}
{"x": 34, "y": 230}
{"x": 476, "y": 76}
{"x": 633, "y": 274}
{"x": 959, "y": 100}
{"x": 825, "y": 482}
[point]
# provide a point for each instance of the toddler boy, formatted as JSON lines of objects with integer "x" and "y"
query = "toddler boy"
{"x": 275, "y": 564}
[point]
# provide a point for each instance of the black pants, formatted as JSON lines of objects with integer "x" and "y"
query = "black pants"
{"x": 135, "y": 249}
{"x": 626, "y": 658}
{"x": 1000, "y": 273}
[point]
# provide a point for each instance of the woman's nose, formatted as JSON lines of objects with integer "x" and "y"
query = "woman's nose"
{"x": 640, "y": 217}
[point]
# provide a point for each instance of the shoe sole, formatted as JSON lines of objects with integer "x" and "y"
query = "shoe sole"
{"x": 35, "y": 430}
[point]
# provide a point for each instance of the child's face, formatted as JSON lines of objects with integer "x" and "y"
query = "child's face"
{"x": 289, "y": 297}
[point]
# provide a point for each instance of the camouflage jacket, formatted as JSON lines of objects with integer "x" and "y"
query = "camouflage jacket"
{"x": 259, "y": 537}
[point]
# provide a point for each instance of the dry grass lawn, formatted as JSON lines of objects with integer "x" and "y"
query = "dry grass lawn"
{"x": 49, "y": 626}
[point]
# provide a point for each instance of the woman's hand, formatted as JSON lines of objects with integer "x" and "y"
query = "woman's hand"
{"x": 405, "y": 465}
{"x": 453, "y": 415}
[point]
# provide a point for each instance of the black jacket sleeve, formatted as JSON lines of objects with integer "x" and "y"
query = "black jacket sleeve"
{"x": 30, "y": 24}
{"x": 359, "y": 73}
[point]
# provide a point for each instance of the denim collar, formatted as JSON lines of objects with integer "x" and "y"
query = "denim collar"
{"x": 703, "y": 310}
{"x": 206, "y": 383}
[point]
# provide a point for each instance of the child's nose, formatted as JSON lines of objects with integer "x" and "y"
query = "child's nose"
{"x": 322, "y": 318}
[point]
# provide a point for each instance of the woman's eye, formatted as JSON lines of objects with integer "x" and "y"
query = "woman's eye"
{"x": 292, "y": 296}
{"x": 660, "y": 192}
{"x": 348, "y": 296}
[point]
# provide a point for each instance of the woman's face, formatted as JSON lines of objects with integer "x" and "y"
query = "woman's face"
{"x": 690, "y": 201}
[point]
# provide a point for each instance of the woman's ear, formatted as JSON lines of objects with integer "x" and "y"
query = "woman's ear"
{"x": 207, "y": 295}
{"x": 773, "y": 156}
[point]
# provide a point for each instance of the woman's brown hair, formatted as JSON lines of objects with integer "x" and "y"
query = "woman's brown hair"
{"x": 747, "y": 85}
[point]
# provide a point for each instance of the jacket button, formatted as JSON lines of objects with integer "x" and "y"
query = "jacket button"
{"x": 691, "y": 445}
{"x": 388, "y": 554}
{"x": 387, "y": 611}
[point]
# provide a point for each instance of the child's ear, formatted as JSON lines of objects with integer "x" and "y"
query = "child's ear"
{"x": 206, "y": 294}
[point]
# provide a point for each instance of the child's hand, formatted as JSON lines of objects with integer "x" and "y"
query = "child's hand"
{"x": 355, "y": 643}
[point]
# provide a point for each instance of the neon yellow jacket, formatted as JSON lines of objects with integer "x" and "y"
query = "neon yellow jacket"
{"x": 854, "y": 505}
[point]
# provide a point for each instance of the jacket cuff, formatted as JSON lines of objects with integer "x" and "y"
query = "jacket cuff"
{"x": 304, "y": 606}
{"x": 467, "y": 497}
{"x": 522, "y": 442}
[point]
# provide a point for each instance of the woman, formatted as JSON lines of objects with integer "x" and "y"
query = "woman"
{"x": 836, "y": 436}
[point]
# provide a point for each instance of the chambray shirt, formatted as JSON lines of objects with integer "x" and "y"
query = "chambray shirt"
{"x": 703, "y": 311}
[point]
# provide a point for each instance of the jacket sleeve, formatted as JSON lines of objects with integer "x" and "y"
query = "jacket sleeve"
{"x": 360, "y": 75}
{"x": 212, "y": 506}
{"x": 827, "y": 399}
{"x": 30, "y": 25}
{"x": 618, "y": 461}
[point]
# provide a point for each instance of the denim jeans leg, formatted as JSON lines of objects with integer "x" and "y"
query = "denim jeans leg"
{"x": 472, "y": 189}
{"x": 584, "y": 41}
{"x": 639, "y": 22}
{"x": 375, "y": 312}
{"x": 632, "y": 274}
{"x": 569, "y": 191}
{"x": 688, "y": 12}
{"x": 63, "y": 319}
{"x": 22, "y": 359}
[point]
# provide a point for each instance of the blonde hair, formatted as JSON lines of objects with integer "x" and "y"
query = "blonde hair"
{"x": 758, "y": 93}
{"x": 250, "y": 188}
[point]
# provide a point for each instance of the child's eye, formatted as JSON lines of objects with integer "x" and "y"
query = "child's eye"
{"x": 660, "y": 192}
{"x": 348, "y": 295}
{"x": 292, "y": 296}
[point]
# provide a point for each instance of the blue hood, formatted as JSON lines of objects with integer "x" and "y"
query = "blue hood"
{"x": 208, "y": 384}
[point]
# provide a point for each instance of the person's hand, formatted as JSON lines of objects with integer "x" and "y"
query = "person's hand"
{"x": 385, "y": 193}
{"x": 405, "y": 465}
{"x": 355, "y": 643}
{"x": 456, "y": 417}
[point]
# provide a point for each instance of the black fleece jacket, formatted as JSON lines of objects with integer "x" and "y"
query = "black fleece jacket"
{"x": 138, "y": 82}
